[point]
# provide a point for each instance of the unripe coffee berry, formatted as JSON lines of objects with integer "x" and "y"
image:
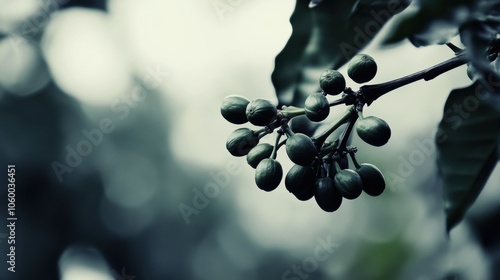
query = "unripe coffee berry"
{"x": 372, "y": 178}
{"x": 233, "y": 109}
{"x": 373, "y": 131}
{"x": 305, "y": 196}
{"x": 268, "y": 174}
{"x": 332, "y": 82}
{"x": 327, "y": 196}
{"x": 241, "y": 141}
{"x": 300, "y": 179}
{"x": 259, "y": 153}
{"x": 362, "y": 68}
{"x": 317, "y": 107}
{"x": 300, "y": 149}
{"x": 348, "y": 183}
{"x": 261, "y": 112}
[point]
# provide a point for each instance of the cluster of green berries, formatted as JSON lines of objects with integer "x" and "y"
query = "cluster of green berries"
{"x": 321, "y": 167}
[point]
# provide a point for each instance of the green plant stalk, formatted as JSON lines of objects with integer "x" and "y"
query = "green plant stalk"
{"x": 290, "y": 112}
{"x": 372, "y": 92}
{"x": 320, "y": 139}
{"x": 347, "y": 132}
{"x": 276, "y": 145}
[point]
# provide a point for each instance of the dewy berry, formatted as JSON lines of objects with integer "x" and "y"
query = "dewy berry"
{"x": 332, "y": 82}
{"x": 258, "y": 153}
{"x": 362, "y": 68}
{"x": 261, "y": 112}
{"x": 300, "y": 149}
{"x": 241, "y": 141}
{"x": 317, "y": 107}
{"x": 268, "y": 174}
{"x": 348, "y": 183}
{"x": 300, "y": 179}
{"x": 327, "y": 196}
{"x": 372, "y": 178}
{"x": 373, "y": 131}
{"x": 233, "y": 109}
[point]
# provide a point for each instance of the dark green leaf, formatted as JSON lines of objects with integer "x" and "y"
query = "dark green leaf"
{"x": 477, "y": 35}
{"x": 325, "y": 37}
{"x": 432, "y": 22}
{"x": 467, "y": 143}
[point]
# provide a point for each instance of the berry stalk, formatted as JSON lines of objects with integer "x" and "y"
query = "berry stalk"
{"x": 373, "y": 92}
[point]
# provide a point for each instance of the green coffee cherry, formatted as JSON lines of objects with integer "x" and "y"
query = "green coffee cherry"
{"x": 300, "y": 149}
{"x": 300, "y": 179}
{"x": 308, "y": 194}
{"x": 332, "y": 82}
{"x": 362, "y": 68}
{"x": 233, "y": 109}
{"x": 348, "y": 183}
{"x": 373, "y": 131}
{"x": 317, "y": 107}
{"x": 241, "y": 141}
{"x": 261, "y": 112}
{"x": 268, "y": 174}
{"x": 372, "y": 178}
{"x": 327, "y": 196}
{"x": 259, "y": 153}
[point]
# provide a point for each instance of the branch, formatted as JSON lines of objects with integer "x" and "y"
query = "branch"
{"x": 372, "y": 92}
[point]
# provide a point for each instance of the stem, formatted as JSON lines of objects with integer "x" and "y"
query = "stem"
{"x": 276, "y": 144}
{"x": 337, "y": 102}
{"x": 347, "y": 132}
{"x": 372, "y": 92}
{"x": 352, "y": 153}
{"x": 281, "y": 144}
{"x": 320, "y": 139}
{"x": 287, "y": 130}
{"x": 290, "y": 112}
{"x": 454, "y": 48}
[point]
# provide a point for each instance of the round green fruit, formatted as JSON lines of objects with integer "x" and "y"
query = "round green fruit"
{"x": 362, "y": 68}
{"x": 332, "y": 82}
{"x": 373, "y": 131}
{"x": 327, "y": 196}
{"x": 300, "y": 149}
{"x": 372, "y": 178}
{"x": 300, "y": 179}
{"x": 233, "y": 109}
{"x": 268, "y": 174}
{"x": 241, "y": 141}
{"x": 258, "y": 153}
{"x": 261, "y": 112}
{"x": 348, "y": 183}
{"x": 317, "y": 107}
{"x": 305, "y": 196}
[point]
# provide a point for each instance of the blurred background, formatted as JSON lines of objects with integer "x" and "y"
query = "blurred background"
{"x": 110, "y": 112}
